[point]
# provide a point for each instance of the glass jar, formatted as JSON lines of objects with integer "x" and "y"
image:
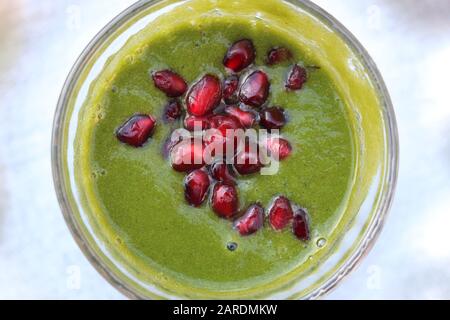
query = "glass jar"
{"x": 375, "y": 196}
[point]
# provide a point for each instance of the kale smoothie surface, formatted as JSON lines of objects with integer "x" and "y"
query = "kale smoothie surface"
{"x": 228, "y": 227}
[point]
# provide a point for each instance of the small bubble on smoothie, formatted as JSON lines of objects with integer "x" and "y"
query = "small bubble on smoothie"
{"x": 232, "y": 246}
{"x": 321, "y": 242}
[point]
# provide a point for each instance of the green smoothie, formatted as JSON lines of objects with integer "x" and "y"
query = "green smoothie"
{"x": 136, "y": 201}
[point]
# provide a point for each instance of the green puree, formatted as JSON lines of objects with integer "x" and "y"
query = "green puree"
{"x": 136, "y": 200}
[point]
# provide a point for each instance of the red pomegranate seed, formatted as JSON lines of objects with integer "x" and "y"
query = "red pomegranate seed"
{"x": 173, "y": 111}
{"x": 273, "y": 118}
{"x": 255, "y": 89}
{"x": 278, "y": 55}
{"x": 225, "y": 202}
{"x": 296, "y": 78}
{"x": 191, "y": 121}
{"x": 169, "y": 143}
{"x": 172, "y": 84}
{"x": 230, "y": 87}
{"x": 219, "y": 140}
{"x": 247, "y": 161}
{"x": 280, "y": 213}
{"x": 222, "y": 172}
{"x": 251, "y": 221}
{"x": 224, "y": 123}
{"x": 215, "y": 145}
{"x": 278, "y": 147}
{"x": 300, "y": 225}
{"x": 196, "y": 186}
{"x": 204, "y": 96}
{"x": 136, "y": 130}
{"x": 187, "y": 155}
{"x": 240, "y": 55}
{"x": 246, "y": 118}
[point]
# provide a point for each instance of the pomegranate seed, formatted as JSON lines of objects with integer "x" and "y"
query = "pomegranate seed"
{"x": 225, "y": 202}
{"x": 246, "y": 118}
{"x": 220, "y": 109}
{"x": 273, "y": 118}
{"x": 204, "y": 96}
{"x": 215, "y": 145}
{"x": 173, "y": 111}
{"x": 247, "y": 161}
{"x": 251, "y": 221}
{"x": 187, "y": 155}
{"x": 300, "y": 225}
{"x": 196, "y": 186}
{"x": 278, "y": 147}
{"x": 172, "y": 84}
{"x": 136, "y": 130}
{"x": 278, "y": 55}
{"x": 219, "y": 140}
{"x": 169, "y": 143}
{"x": 280, "y": 213}
{"x": 224, "y": 123}
{"x": 221, "y": 172}
{"x": 230, "y": 86}
{"x": 296, "y": 78}
{"x": 255, "y": 89}
{"x": 191, "y": 121}
{"x": 240, "y": 55}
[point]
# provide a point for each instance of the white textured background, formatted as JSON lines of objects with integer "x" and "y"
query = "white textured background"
{"x": 40, "y": 40}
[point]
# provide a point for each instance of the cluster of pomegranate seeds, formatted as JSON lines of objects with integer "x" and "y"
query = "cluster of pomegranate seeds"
{"x": 238, "y": 101}
{"x": 283, "y": 214}
{"x": 136, "y": 130}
